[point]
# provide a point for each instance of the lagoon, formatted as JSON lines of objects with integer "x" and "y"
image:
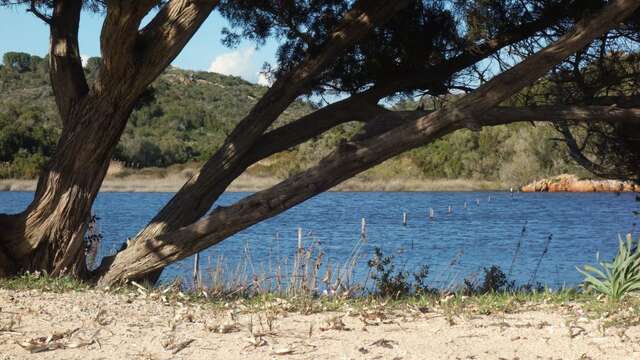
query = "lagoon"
{"x": 457, "y": 245}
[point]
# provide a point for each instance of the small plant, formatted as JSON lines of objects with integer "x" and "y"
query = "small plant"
{"x": 42, "y": 281}
{"x": 390, "y": 283}
{"x": 495, "y": 281}
{"x": 92, "y": 240}
{"x": 617, "y": 278}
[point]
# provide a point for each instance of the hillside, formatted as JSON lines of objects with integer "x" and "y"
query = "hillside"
{"x": 187, "y": 114}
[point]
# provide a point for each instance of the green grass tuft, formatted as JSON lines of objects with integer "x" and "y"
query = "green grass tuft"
{"x": 43, "y": 282}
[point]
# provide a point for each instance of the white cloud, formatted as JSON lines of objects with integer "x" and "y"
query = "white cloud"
{"x": 237, "y": 63}
{"x": 85, "y": 59}
{"x": 263, "y": 79}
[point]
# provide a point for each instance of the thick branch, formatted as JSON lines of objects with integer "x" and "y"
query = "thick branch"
{"x": 168, "y": 33}
{"x": 355, "y": 108}
{"x": 217, "y": 173}
{"x": 119, "y": 37}
{"x": 33, "y": 8}
{"x": 558, "y": 114}
{"x": 133, "y": 58}
{"x": 65, "y": 65}
{"x": 151, "y": 254}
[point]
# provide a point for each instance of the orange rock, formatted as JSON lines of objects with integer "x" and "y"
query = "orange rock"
{"x": 570, "y": 183}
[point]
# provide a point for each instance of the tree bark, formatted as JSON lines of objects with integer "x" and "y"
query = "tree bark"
{"x": 151, "y": 254}
{"x": 212, "y": 180}
{"x": 199, "y": 192}
{"x": 48, "y": 235}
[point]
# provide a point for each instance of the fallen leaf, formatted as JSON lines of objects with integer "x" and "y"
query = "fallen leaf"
{"x": 283, "y": 351}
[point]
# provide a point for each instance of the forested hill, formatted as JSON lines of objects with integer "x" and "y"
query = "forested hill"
{"x": 186, "y": 115}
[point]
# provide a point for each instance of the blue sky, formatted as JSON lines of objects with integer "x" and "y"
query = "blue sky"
{"x": 21, "y": 31}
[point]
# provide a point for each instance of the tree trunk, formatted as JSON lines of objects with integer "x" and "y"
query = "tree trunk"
{"x": 146, "y": 256}
{"x": 48, "y": 235}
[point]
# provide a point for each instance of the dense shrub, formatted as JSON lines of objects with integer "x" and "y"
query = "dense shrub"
{"x": 396, "y": 284}
{"x": 618, "y": 278}
{"x": 186, "y": 115}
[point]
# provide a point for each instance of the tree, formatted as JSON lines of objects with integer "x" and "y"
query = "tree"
{"x": 18, "y": 61}
{"x": 367, "y": 51}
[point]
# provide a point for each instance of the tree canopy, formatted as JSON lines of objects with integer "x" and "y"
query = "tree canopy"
{"x": 470, "y": 57}
{"x": 187, "y": 114}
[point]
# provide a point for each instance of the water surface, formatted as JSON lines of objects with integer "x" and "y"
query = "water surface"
{"x": 484, "y": 233}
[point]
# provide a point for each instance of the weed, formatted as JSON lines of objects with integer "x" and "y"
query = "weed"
{"x": 42, "y": 281}
{"x": 390, "y": 283}
{"x": 617, "y": 278}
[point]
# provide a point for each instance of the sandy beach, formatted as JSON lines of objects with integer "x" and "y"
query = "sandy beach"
{"x": 135, "y": 325}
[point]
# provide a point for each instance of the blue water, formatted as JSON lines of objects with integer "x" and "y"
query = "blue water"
{"x": 478, "y": 236}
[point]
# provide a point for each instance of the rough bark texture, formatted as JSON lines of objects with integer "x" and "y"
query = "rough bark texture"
{"x": 48, "y": 235}
{"x": 213, "y": 180}
{"x": 198, "y": 194}
{"x": 149, "y": 255}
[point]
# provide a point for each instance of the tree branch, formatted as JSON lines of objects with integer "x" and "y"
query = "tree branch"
{"x": 34, "y": 10}
{"x": 118, "y": 39}
{"x": 150, "y": 254}
{"x": 168, "y": 33}
{"x": 133, "y": 58}
{"x": 197, "y": 195}
{"x": 65, "y": 65}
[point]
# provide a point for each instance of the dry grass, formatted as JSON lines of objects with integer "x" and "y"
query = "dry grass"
{"x": 135, "y": 322}
{"x": 121, "y": 179}
{"x": 246, "y": 183}
{"x": 301, "y": 274}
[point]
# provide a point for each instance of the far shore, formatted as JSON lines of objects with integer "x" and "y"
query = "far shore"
{"x": 246, "y": 183}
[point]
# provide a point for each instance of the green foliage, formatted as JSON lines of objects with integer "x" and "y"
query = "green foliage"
{"x": 43, "y": 282}
{"x": 186, "y": 115}
{"x": 494, "y": 281}
{"x": 21, "y": 62}
{"x": 390, "y": 283}
{"x": 617, "y": 278}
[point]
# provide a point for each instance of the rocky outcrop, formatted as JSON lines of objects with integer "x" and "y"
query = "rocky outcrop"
{"x": 570, "y": 183}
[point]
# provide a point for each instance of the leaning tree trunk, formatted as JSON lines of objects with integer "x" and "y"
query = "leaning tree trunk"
{"x": 48, "y": 235}
{"x": 147, "y": 256}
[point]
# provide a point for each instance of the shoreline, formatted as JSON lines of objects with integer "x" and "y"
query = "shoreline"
{"x": 142, "y": 323}
{"x": 245, "y": 183}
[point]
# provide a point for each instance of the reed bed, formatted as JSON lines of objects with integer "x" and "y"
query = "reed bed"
{"x": 306, "y": 272}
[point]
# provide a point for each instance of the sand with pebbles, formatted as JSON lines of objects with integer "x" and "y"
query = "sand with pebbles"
{"x": 98, "y": 325}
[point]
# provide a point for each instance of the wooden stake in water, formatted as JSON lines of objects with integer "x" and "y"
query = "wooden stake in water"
{"x": 363, "y": 230}
{"x": 299, "y": 238}
{"x": 465, "y": 204}
{"x": 404, "y": 218}
{"x": 450, "y": 210}
{"x": 431, "y": 213}
{"x": 478, "y": 202}
{"x": 196, "y": 270}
